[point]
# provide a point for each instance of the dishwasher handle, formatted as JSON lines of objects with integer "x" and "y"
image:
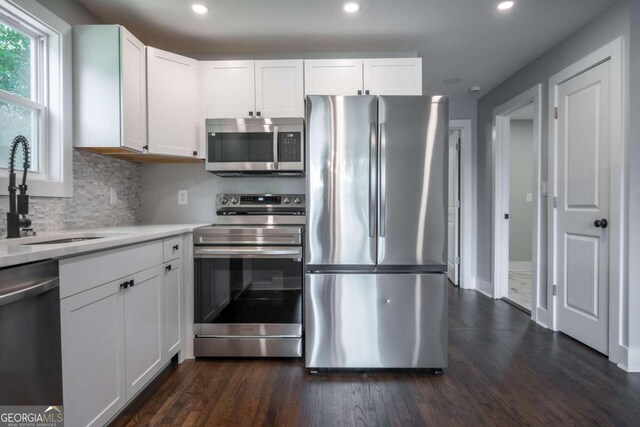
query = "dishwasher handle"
{"x": 28, "y": 291}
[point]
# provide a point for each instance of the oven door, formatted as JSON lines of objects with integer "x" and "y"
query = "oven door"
{"x": 248, "y": 291}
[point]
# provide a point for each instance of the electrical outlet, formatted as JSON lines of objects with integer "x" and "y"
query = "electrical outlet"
{"x": 113, "y": 196}
{"x": 182, "y": 197}
{"x": 529, "y": 197}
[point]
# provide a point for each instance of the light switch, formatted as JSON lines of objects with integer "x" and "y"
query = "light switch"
{"x": 182, "y": 197}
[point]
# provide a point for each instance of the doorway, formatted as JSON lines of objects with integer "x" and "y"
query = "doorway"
{"x": 521, "y": 209}
{"x": 461, "y": 219}
{"x": 518, "y": 198}
{"x": 453, "y": 212}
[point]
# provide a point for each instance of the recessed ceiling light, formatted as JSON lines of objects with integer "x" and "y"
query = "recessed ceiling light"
{"x": 505, "y": 5}
{"x": 452, "y": 81}
{"x": 351, "y": 7}
{"x": 199, "y": 8}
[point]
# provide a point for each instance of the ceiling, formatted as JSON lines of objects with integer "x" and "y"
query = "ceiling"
{"x": 466, "y": 39}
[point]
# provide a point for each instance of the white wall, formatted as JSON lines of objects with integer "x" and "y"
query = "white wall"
{"x": 521, "y": 184}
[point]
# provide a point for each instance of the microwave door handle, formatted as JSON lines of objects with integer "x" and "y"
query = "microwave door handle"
{"x": 275, "y": 148}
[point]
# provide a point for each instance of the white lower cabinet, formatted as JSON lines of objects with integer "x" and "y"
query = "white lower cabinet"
{"x": 143, "y": 312}
{"x": 93, "y": 355}
{"x": 116, "y": 337}
{"x": 172, "y": 287}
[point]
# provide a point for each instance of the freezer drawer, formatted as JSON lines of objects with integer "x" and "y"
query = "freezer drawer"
{"x": 376, "y": 321}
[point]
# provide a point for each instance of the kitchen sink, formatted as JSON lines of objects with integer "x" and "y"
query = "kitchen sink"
{"x": 67, "y": 240}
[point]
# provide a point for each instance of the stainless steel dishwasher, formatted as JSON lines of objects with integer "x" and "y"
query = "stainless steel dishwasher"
{"x": 30, "y": 359}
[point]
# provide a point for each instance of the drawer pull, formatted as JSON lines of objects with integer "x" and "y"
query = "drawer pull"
{"x": 176, "y": 247}
{"x": 167, "y": 268}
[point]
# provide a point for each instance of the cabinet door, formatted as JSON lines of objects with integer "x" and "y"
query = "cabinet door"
{"x": 229, "y": 89}
{"x": 393, "y": 76}
{"x": 134, "y": 91}
{"x": 333, "y": 77}
{"x": 172, "y": 288}
{"x": 93, "y": 355}
{"x": 172, "y": 103}
{"x": 279, "y": 88}
{"x": 143, "y": 328}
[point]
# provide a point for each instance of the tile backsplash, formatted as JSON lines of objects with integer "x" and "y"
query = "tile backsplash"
{"x": 93, "y": 177}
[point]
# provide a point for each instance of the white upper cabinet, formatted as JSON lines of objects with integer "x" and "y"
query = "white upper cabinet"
{"x": 175, "y": 121}
{"x": 393, "y": 76}
{"x": 333, "y": 77}
{"x": 279, "y": 88}
{"x": 229, "y": 89}
{"x": 134, "y": 91}
{"x": 110, "y": 89}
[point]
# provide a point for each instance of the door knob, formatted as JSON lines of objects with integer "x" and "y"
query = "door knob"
{"x": 601, "y": 223}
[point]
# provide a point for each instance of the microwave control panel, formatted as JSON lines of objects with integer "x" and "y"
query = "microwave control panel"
{"x": 290, "y": 146}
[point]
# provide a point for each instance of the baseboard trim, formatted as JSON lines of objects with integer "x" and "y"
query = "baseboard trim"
{"x": 484, "y": 287}
{"x": 629, "y": 359}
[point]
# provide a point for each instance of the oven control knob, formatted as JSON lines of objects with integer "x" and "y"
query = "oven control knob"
{"x": 223, "y": 200}
{"x": 234, "y": 200}
{"x": 286, "y": 200}
{"x": 297, "y": 200}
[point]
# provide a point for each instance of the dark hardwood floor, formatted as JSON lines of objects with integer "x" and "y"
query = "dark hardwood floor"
{"x": 503, "y": 370}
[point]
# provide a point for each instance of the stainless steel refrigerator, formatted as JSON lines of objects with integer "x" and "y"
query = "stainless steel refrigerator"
{"x": 376, "y": 244}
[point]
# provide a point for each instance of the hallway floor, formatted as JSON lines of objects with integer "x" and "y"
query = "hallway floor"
{"x": 520, "y": 287}
{"x": 503, "y": 370}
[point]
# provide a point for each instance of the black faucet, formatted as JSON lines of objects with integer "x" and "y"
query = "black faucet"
{"x": 18, "y": 209}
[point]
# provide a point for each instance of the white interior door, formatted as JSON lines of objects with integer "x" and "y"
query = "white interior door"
{"x": 453, "y": 222}
{"x": 583, "y": 139}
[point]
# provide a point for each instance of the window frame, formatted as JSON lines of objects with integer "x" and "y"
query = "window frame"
{"x": 53, "y": 96}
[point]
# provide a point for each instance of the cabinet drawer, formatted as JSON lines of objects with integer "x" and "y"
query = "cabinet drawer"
{"x": 172, "y": 248}
{"x": 85, "y": 272}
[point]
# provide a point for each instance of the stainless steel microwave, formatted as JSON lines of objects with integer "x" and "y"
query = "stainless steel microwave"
{"x": 255, "y": 147}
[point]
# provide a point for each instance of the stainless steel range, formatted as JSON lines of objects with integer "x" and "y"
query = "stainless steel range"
{"x": 249, "y": 277}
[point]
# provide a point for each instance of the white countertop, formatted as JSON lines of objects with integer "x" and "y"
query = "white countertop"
{"x": 19, "y": 251}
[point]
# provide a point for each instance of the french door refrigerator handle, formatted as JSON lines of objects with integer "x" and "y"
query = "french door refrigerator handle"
{"x": 275, "y": 147}
{"x": 373, "y": 173}
{"x": 383, "y": 179}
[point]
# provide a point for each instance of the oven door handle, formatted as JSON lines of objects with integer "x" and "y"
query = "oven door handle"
{"x": 247, "y": 252}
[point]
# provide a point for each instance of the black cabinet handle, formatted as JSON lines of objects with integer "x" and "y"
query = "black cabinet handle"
{"x": 366, "y": 92}
{"x": 124, "y": 285}
{"x": 601, "y": 223}
{"x": 167, "y": 268}
{"x": 258, "y": 114}
{"x": 131, "y": 282}
{"x": 250, "y": 113}
{"x": 359, "y": 92}
{"x": 176, "y": 247}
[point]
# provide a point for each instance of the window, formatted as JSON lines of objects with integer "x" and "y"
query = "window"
{"x": 35, "y": 95}
{"x": 22, "y": 108}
